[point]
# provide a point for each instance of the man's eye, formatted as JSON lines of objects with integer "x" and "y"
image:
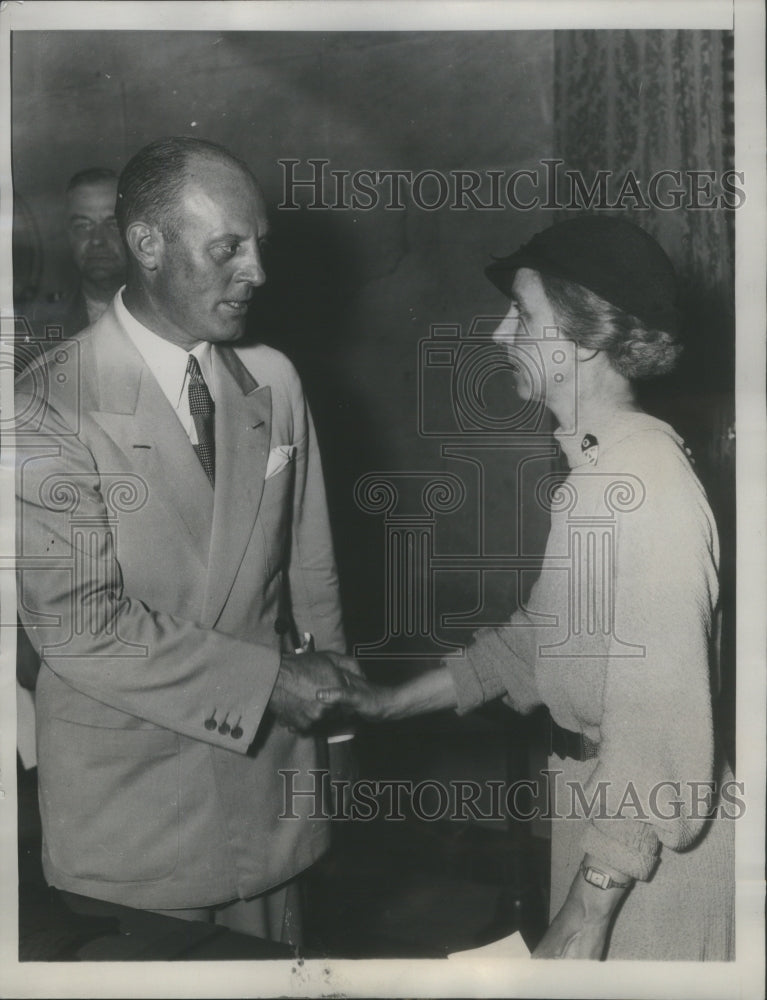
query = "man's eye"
{"x": 226, "y": 250}
{"x": 519, "y": 310}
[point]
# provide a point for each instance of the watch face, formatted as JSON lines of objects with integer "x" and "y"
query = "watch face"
{"x": 597, "y": 878}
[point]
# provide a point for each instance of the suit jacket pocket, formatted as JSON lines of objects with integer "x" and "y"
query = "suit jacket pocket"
{"x": 109, "y": 801}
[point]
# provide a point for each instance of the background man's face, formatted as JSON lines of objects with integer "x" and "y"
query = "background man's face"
{"x": 93, "y": 234}
{"x": 209, "y": 269}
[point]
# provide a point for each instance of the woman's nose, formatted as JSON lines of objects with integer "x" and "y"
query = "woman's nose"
{"x": 506, "y": 331}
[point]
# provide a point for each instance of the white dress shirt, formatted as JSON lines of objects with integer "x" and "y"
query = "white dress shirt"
{"x": 168, "y": 362}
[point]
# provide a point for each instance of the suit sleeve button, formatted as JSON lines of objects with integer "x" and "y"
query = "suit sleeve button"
{"x": 210, "y": 723}
{"x": 236, "y": 733}
{"x": 224, "y": 728}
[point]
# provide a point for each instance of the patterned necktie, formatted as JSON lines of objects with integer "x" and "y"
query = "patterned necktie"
{"x": 202, "y": 409}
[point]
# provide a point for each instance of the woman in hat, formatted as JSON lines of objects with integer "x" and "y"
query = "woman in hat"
{"x": 617, "y": 635}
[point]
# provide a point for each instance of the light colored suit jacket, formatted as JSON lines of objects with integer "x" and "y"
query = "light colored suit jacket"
{"x": 154, "y": 602}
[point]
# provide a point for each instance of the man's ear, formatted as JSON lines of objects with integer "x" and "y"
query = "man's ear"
{"x": 585, "y": 353}
{"x": 146, "y": 243}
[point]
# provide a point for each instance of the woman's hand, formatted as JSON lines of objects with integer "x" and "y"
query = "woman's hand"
{"x": 430, "y": 692}
{"x": 359, "y": 697}
{"x": 581, "y": 927}
{"x": 570, "y": 935}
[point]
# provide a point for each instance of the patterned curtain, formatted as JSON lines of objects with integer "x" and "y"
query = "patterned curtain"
{"x": 646, "y": 101}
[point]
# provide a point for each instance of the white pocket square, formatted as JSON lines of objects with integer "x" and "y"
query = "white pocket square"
{"x": 279, "y": 458}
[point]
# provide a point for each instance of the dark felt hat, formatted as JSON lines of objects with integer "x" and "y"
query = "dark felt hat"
{"x": 611, "y": 257}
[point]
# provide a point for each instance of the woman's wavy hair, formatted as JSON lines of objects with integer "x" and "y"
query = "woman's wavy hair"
{"x": 634, "y": 349}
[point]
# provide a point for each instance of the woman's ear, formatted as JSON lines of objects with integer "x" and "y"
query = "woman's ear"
{"x": 146, "y": 244}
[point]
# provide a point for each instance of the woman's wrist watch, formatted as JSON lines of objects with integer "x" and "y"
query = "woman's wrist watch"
{"x": 595, "y": 876}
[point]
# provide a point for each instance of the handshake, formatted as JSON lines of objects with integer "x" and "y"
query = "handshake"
{"x": 315, "y": 687}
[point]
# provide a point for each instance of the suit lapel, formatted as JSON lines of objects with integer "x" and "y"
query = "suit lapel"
{"x": 129, "y": 405}
{"x": 243, "y": 435}
{"x": 133, "y": 410}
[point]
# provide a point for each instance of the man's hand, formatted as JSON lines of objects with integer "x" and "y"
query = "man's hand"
{"x": 294, "y": 698}
{"x": 345, "y": 663}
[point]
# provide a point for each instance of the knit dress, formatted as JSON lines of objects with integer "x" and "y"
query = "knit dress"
{"x": 617, "y": 639}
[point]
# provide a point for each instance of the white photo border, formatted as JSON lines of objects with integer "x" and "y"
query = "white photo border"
{"x": 422, "y": 978}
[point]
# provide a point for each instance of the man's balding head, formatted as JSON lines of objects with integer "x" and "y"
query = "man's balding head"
{"x": 151, "y": 185}
{"x": 194, "y": 220}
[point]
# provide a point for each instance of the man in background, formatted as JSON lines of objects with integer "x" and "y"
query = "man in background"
{"x": 97, "y": 251}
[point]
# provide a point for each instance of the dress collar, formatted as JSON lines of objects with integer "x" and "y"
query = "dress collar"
{"x": 594, "y": 434}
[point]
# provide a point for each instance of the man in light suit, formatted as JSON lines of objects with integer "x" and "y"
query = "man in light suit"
{"x": 172, "y": 525}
